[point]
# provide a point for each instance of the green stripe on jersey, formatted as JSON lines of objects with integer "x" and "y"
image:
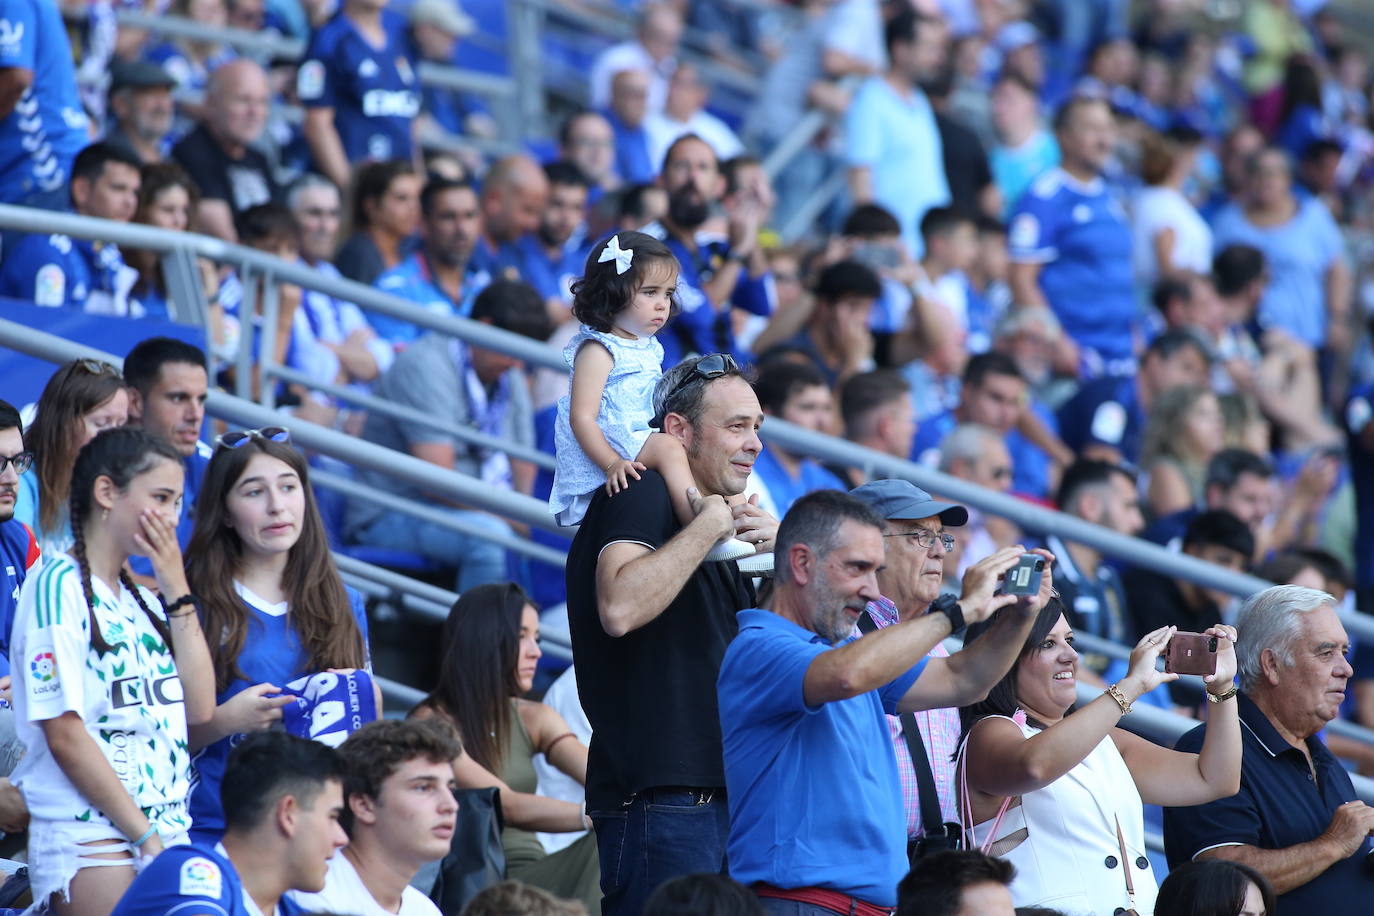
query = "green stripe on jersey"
{"x": 51, "y": 582}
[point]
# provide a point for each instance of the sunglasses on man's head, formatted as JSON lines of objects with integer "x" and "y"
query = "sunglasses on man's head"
{"x": 240, "y": 437}
{"x": 711, "y": 366}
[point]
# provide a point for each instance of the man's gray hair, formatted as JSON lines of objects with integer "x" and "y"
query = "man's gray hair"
{"x": 682, "y": 391}
{"x": 1272, "y": 619}
{"x": 966, "y": 442}
{"x": 308, "y": 181}
{"x": 815, "y": 520}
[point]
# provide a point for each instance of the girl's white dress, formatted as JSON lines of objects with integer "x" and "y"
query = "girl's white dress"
{"x": 627, "y": 406}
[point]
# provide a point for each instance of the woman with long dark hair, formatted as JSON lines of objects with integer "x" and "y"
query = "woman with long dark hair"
{"x": 82, "y": 398}
{"x": 269, "y": 592}
{"x": 107, "y": 678}
{"x": 384, "y": 218}
{"x": 490, "y": 652}
{"x": 1214, "y": 887}
{"x": 1059, "y": 795}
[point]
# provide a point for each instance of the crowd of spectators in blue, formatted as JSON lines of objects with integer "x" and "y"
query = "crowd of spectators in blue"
{"x": 1102, "y": 257}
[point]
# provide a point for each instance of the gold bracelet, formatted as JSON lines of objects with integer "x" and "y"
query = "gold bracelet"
{"x": 1223, "y": 697}
{"x": 1116, "y": 694}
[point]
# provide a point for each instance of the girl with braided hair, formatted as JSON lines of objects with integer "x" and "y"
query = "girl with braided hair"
{"x": 106, "y": 678}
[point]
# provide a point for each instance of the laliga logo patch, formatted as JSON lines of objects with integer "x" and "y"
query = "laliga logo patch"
{"x": 200, "y": 878}
{"x": 43, "y": 667}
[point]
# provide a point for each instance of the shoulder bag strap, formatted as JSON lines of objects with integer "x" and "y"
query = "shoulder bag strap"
{"x": 1125, "y": 863}
{"x": 932, "y": 820}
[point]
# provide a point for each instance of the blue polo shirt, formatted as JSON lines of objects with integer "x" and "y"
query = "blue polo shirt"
{"x": 1278, "y": 805}
{"x": 552, "y": 277}
{"x": 632, "y": 162}
{"x": 815, "y": 799}
{"x": 786, "y": 489}
{"x": 412, "y": 279}
{"x": 373, "y": 91}
{"x": 1105, "y": 411}
{"x": 1080, "y": 236}
{"x": 1030, "y": 466}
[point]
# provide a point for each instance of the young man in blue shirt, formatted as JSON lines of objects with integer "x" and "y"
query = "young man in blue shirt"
{"x": 59, "y": 271}
{"x": 42, "y": 122}
{"x": 282, "y": 799}
{"x": 797, "y": 393}
{"x": 360, "y": 89}
{"x": 555, "y": 253}
{"x": 1070, "y": 247}
{"x": 18, "y": 547}
{"x": 817, "y": 817}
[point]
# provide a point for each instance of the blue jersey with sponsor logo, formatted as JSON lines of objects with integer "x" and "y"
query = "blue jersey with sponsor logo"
{"x": 62, "y": 272}
{"x": 1079, "y": 234}
{"x": 193, "y": 878}
{"x": 374, "y": 91}
{"x": 18, "y": 554}
{"x": 1105, "y": 411}
{"x": 48, "y": 127}
{"x": 272, "y": 654}
{"x": 412, "y": 279}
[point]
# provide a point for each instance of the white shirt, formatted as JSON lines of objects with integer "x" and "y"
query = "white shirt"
{"x": 661, "y": 131}
{"x": 629, "y": 55}
{"x": 553, "y": 782}
{"x": 1157, "y": 209}
{"x": 344, "y": 892}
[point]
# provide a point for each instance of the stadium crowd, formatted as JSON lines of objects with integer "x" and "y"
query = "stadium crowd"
{"x": 1100, "y": 256}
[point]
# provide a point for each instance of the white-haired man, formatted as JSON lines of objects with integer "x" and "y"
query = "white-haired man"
{"x": 1296, "y": 818}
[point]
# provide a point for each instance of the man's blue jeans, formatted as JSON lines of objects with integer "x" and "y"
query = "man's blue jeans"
{"x": 478, "y": 560}
{"x": 656, "y": 835}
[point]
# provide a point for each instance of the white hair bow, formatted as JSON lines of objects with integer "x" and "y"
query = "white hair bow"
{"x": 613, "y": 252}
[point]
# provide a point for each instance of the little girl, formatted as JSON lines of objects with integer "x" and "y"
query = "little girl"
{"x": 625, "y": 297}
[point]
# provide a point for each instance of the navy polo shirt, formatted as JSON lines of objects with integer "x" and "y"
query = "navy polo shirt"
{"x": 1278, "y": 805}
{"x": 815, "y": 798}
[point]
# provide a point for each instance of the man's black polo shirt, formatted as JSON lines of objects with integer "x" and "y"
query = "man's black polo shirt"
{"x": 650, "y": 695}
{"x": 1278, "y": 806}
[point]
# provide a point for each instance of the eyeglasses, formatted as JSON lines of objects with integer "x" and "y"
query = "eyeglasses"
{"x": 708, "y": 367}
{"x": 926, "y": 538}
{"x": 239, "y": 437}
{"x": 97, "y": 367}
{"x": 21, "y": 462}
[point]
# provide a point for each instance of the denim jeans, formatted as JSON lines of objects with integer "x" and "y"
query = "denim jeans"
{"x": 478, "y": 560}
{"x": 656, "y": 835}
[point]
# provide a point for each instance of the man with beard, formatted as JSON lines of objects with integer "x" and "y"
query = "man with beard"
{"x": 441, "y": 276}
{"x": 552, "y": 256}
{"x": 717, "y": 273}
{"x": 18, "y": 547}
{"x": 817, "y": 819}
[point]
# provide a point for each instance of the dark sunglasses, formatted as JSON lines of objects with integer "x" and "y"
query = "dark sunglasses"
{"x": 709, "y": 367}
{"x": 237, "y": 438}
{"x": 22, "y": 462}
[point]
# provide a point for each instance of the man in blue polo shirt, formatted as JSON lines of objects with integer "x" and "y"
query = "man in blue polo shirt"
{"x": 1070, "y": 246}
{"x": 359, "y": 88}
{"x": 717, "y": 273}
{"x": 168, "y": 384}
{"x": 42, "y": 123}
{"x": 441, "y": 275}
{"x": 1296, "y": 818}
{"x": 1106, "y": 418}
{"x": 817, "y": 815}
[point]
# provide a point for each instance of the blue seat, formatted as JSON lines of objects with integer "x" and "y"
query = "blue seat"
{"x": 333, "y": 506}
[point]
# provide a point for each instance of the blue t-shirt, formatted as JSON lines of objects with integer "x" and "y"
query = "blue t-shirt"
{"x": 704, "y": 326}
{"x": 1359, "y": 413}
{"x": 48, "y": 127}
{"x": 785, "y": 489}
{"x": 1105, "y": 411}
{"x": 191, "y": 880}
{"x": 373, "y": 91}
{"x": 1030, "y": 466}
{"x": 1079, "y": 235}
{"x": 632, "y": 162}
{"x": 272, "y": 654}
{"x": 412, "y": 279}
{"x": 815, "y": 798}
{"x": 552, "y": 277}
{"x": 195, "y": 465}
{"x": 18, "y": 552}
{"x": 1298, "y": 253}
{"x": 62, "y": 272}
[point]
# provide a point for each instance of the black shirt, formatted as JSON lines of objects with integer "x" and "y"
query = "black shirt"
{"x": 1278, "y": 805}
{"x": 966, "y": 164}
{"x": 1157, "y": 601}
{"x": 241, "y": 183}
{"x": 650, "y": 695}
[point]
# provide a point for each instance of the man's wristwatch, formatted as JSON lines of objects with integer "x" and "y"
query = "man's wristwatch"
{"x": 948, "y": 605}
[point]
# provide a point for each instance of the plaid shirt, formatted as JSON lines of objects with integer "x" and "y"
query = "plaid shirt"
{"x": 940, "y": 731}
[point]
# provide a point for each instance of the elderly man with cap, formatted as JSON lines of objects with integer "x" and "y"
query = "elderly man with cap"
{"x": 916, "y": 542}
{"x": 141, "y": 109}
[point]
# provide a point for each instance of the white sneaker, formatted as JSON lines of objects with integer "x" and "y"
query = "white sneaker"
{"x": 730, "y": 549}
{"x": 760, "y": 565}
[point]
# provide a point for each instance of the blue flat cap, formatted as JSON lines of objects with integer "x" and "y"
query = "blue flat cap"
{"x": 902, "y": 499}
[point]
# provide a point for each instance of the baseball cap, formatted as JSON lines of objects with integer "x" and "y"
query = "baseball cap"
{"x": 444, "y": 14}
{"x": 902, "y": 499}
{"x": 139, "y": 74}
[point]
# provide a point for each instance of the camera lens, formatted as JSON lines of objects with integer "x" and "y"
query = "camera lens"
{"x": 1212, "y": 644}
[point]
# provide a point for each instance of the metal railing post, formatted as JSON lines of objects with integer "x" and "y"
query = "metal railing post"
{"x": 525, "y": 21}
{"x": 267, "y": 350}
{"x": 185, "y": 295}
{"x": 243, "y": 367}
